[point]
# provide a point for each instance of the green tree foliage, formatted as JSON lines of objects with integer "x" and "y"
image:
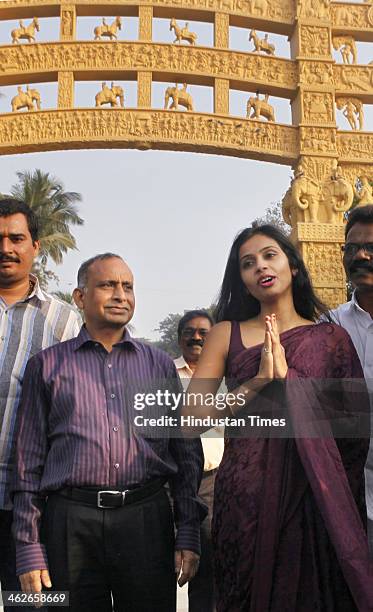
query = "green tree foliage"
{"x": 56, "y": 211}
{"x": 168, "y": 332}
{"x": 355, "y": 202}
{"x": 273, "y": 216}
{"x": 65, "y": 296}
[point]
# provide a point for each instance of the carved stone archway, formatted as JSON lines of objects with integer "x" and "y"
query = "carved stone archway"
{"x": 326, "y": 160}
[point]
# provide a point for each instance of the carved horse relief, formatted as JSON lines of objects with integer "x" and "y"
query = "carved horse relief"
{"x": 261, "y": 44}
{"x": 109, "y": 31}
{"x": 183, "y": 33}
{"x": 25, "y": 32}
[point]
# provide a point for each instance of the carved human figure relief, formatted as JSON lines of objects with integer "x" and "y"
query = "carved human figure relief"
{"x": 347, "y": 46}
{"x": 25, "y": 32}
{"x": 353, "y": 110}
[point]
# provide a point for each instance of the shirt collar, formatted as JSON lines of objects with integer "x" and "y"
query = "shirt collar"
{"x": 84, "y": 338}
{"x": 354, "y": 305}
{"x": 181, "y": 364}
{"x": 37, "y": 291}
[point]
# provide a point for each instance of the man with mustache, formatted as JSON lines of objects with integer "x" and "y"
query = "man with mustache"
{"x": 106, "y": 530}
{"x": 30, "y": 320}
{"x": 192, "y": 332}
{"x": 356, "y": 316}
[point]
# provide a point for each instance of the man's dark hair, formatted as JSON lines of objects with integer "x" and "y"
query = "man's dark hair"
{"x": 360, "y": 214}
{"x": 84, "y": 268}
{"x": 192, "y": 314}
{"x": 235, "y": 304}
{"x": 11, "y": 206}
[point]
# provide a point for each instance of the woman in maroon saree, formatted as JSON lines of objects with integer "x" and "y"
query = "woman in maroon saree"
{"x": 289, "y": 513}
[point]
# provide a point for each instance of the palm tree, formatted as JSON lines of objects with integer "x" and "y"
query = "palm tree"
{"x": 55, "y": 208}
{"x": 65, "y": 296}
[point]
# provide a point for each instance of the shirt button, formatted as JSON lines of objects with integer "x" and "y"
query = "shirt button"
{"x": 116, "y": 465}
{"x": 115, "y": 428}
{"x": 109, "y": 365}
{"x": 112, "y": 395}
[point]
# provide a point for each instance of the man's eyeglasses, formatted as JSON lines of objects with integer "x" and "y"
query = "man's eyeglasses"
{"x": 188, "y": 332}
{"x": 351, "y": 248}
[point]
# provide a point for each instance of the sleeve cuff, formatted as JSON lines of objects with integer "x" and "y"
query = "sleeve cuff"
{"x": 30, "y": 557}
{"x": 188, "y": 538}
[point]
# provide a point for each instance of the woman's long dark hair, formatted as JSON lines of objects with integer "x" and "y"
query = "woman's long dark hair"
{"x": 235, "y": 304}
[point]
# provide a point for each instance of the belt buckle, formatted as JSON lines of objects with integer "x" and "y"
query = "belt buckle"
{"x": 99, "y": 493}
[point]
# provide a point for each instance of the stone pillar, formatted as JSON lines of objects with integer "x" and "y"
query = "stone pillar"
{"x": 65, "y": 90}
{"x": 313, "y": 110}
{"x": 221, "y": 86}
{"x": 145, "y": 22}
{"x": 144, "y": 89}
{"x": 321, "y": 248}
{"x": 221, "y": 96}
{"x": 67, "y": 22}
{"x": 221, "y": 31}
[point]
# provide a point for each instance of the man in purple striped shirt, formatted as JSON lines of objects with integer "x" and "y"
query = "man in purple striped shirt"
{"x": 91, "y": 515}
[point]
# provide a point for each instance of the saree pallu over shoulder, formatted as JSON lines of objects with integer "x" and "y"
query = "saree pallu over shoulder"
{"x": 290, "y": 513}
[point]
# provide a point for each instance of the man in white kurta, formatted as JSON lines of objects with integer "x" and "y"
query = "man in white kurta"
{"x": 192, "y": 332}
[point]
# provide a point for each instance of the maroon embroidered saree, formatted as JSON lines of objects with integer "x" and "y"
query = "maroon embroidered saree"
{"x": 289, "y": 514}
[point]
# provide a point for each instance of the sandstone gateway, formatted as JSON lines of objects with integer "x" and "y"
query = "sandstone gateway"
{"x": 330, "y": 165}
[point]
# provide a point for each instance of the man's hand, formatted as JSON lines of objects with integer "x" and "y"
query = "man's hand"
{"x": 186, "y": 563}
{"x": 33, "y": 582}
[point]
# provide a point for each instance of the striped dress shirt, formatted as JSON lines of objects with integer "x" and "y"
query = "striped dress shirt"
{"x": 77, "y": 428}
{"x": 26, "y": 327}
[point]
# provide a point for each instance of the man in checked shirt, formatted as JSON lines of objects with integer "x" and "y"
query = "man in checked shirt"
{"x": 30, "y": 320}
{"x": 106, "y": 529}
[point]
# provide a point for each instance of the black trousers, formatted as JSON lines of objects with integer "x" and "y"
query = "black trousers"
{"x": 121, "y": 555}
{"x": 8, "y": 577}
{"x": 201, "y": 591}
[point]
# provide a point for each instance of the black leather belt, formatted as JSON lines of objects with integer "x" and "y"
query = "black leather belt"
{"x": 112, "y": 498}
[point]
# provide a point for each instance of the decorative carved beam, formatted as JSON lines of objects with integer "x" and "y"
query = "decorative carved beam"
{"x": 246, "y": 71}
{"x": 149, "y": 129}
{"x": 354, "y": 80}
{"x": 355, "y": 19}
{"x": 355, "y": 147}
